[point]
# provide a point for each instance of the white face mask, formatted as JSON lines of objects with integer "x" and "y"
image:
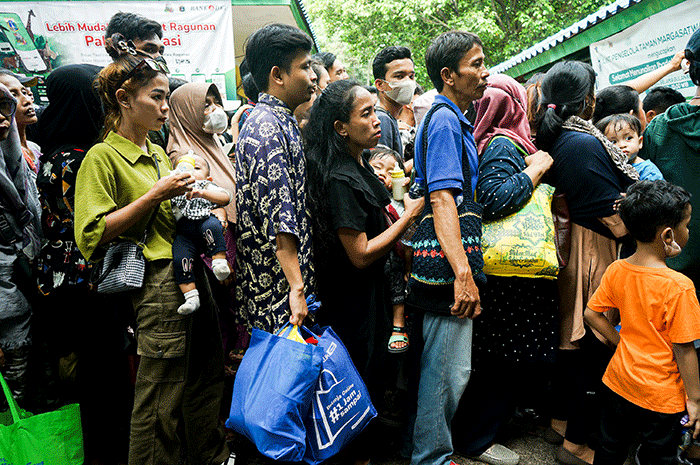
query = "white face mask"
{"x": 401, "y": 91}
{"x": 216, "y": 122}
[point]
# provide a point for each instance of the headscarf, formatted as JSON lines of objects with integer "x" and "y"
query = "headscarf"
{"x": 18, "y": 194}
{"x": 187, "y": 105}
{"x": 502, "y": 111}
{"x": 575, "y": 123}
{"x": 19, "y": 204}
{"x": 74, "y": 114}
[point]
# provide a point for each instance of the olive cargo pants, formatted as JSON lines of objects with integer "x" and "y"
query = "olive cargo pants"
{"x": 180, "y": 378}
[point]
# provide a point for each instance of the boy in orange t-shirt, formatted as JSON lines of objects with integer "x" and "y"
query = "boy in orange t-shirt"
{"x": 655, "y": 365}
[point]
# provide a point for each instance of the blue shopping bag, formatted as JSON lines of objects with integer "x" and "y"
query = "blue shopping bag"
{"x": 272, "y": 394}
{"x": 341, "y": 406}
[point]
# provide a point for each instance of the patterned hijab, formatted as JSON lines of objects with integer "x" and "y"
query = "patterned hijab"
{"x": 575, "y": 123}
{"x": 501, "y": 111}
{"x": 187, "y": 133}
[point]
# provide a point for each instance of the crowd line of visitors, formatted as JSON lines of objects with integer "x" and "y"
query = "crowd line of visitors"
{"x": 241, "y": 217}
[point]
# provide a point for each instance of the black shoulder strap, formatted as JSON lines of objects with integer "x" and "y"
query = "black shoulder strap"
{"x": 155, "y": 211}
{"x": 466, "y": 170}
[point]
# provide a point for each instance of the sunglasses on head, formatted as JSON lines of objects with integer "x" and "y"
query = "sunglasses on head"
{"x": 7, "y": 108}
{"x": 154, "y": 65}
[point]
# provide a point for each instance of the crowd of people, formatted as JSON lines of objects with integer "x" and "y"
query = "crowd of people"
{"x": 243, "y": 217}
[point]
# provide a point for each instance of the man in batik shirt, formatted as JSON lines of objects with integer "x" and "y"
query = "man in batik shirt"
{"x": 273, "y": 231}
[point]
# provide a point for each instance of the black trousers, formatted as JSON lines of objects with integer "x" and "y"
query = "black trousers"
{"x": 622, "y": 422}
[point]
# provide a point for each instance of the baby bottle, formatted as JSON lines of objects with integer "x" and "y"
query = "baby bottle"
{"x": 397, "y": 180}
{"x": 186, "y": 163}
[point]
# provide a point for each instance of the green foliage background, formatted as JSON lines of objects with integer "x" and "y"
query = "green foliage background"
{"x": 356, "y": 30}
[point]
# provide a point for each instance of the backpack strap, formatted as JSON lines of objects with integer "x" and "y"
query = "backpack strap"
{"x": 520, "y": 149}
{"x": 466, "y": 169}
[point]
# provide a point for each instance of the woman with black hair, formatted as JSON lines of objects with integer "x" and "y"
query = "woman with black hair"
{"x": 592, "y": 173}
{"x": 346, "y": 201}
{"x": 618, "y": 99}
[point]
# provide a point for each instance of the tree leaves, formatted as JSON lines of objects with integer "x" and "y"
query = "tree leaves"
{"x": 356, "y": 30}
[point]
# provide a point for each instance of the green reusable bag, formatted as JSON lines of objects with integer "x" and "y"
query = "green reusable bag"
{"x": 54, "y": 438}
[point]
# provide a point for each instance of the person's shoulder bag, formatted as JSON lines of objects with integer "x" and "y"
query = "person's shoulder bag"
{"x": 430, "y": 287}
{"x": 124, "y": 265}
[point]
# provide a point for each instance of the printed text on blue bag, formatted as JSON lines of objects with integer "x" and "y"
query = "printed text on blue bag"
{"x": 350, "y": 396}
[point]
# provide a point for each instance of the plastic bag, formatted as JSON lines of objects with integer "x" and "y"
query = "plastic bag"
{"x": 522, "y": 244}
{"x": 272, "y": 394}
{"x": 341, "y": 405}
{"x": 52, "y": 438}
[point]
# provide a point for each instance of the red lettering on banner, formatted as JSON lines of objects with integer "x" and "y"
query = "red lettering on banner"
{"x": 187, "y": 28}
{"x": 97, "y": 27}
{"x": 172, "y": 41}
{"x": 60, "y": 27}
{"x": 95, "y": 41}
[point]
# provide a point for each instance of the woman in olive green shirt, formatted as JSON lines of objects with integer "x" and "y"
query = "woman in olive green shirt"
{"x": 121, "y": 182}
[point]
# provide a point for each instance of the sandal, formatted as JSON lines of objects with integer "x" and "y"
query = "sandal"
{"x": 402, "y": 337}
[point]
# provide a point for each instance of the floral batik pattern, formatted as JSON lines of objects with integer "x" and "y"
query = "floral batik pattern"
{"x": 270, "y": 199}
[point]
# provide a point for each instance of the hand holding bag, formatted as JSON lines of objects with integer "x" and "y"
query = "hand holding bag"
{"x": 430, "y": 287}
{"x": 52, "y": 438}
{"x": 272, "y": 394}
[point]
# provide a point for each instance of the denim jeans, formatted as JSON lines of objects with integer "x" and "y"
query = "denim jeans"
{"x": 445, "y": 370}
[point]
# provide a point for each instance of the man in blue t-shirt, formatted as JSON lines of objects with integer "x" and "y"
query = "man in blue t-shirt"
{"x": 455, "y": 64}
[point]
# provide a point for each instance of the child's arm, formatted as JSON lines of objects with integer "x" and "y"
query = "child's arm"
{"x": 407, "y": 261}
{"x": 601, "y": 324}
{"x": 217, "y": 195}
{"x": 687, "y": 361}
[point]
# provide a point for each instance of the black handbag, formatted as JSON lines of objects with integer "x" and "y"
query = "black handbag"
{"x": 430, "y": 287}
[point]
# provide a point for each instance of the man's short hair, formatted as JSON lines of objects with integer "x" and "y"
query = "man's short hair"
{"x": 386, "y": 56}
{"x": 133, "y": 26}
{"x": 326, "y": 58}
{"x": 317, "y": 65}
{"x": 650, "y": 205}
{"x": 660, "y": 98}
{"x": 274, "y": 45}
{"x": 446, "y": 51}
